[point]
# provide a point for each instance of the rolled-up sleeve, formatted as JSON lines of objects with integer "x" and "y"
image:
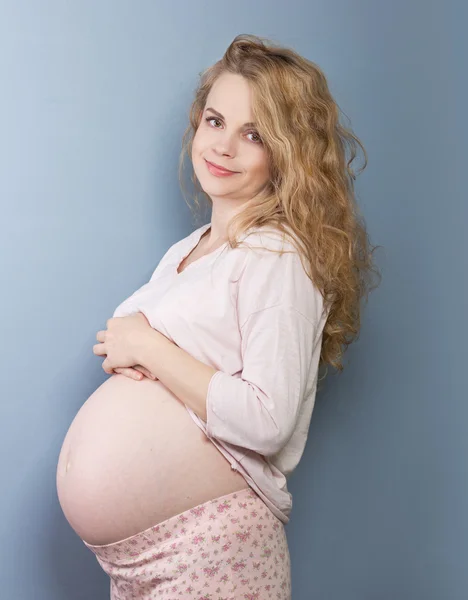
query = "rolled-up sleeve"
{"x": 259, "y": 409}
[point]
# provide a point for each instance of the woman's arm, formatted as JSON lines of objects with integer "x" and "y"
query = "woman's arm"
{"x": 257, "y": 410}
{"x": 185, "y": 376}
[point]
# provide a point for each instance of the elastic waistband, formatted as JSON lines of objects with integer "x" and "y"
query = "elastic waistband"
{"x": 157, "y": 536}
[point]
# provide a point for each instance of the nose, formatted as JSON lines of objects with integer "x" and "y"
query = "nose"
{"x": 225, "y": 144}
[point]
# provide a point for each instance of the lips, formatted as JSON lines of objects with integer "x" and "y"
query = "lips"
{"x": 219, "y": 167}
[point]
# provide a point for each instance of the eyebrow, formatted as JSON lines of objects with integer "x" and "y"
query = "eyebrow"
{"x": 218, "y": 114}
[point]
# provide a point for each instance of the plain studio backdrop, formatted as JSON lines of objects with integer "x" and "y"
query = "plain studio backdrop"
{"x": 93, "y": 104}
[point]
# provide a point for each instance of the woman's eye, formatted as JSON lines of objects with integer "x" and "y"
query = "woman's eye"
{"x": 257, "y": 141}
{"x": 208, "y": 119}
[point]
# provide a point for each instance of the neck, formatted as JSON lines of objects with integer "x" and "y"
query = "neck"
{"x": 220, "y": 219}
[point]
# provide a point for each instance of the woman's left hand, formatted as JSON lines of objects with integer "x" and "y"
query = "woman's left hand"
{"x": 120, "y": 342}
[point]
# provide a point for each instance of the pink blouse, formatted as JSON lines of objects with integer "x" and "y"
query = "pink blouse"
{"x": 256, "y": 317}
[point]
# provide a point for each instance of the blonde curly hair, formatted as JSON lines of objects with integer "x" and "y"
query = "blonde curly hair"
{"x": 311, "y": 191}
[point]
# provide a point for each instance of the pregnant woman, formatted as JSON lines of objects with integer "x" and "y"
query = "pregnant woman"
{"x": 174, "y": 471}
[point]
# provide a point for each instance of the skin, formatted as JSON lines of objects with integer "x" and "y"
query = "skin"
{"x": 227, "y": 142}
{"x": 131, "y": 345}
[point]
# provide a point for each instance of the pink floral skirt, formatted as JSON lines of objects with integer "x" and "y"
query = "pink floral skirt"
{"x": 229, "y": 548}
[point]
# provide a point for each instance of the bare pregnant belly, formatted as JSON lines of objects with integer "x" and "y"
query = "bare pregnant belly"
{"x": 133, "y": 457}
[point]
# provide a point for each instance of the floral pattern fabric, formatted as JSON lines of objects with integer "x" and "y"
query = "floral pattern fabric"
{"x": 229, "y": 548}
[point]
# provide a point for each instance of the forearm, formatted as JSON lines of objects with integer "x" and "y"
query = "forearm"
{"x": 185, "y": 376}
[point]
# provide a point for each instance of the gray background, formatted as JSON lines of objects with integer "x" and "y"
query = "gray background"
{"x": 93, "y": 104}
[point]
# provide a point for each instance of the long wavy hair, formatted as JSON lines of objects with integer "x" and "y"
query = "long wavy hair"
{"x": 311, "y": 187}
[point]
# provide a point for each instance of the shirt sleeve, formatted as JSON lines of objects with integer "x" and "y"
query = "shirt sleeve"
{"x": 279, "y": 307}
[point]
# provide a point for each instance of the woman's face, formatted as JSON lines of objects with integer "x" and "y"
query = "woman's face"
{"x": 225, "y": 137}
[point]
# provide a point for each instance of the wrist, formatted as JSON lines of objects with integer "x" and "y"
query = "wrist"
{"x": 148, "y": 344}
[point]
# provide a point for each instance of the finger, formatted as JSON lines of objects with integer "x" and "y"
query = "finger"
{"x": 106, "y": 367}
{"x": 135, "y": 374}
{"x": 129, "y": 372}
{"x": 99, "y": 349}
{"x": 142, "y": 369}
{"x": 145, "y": 372}
{"x": 126, "y": 372}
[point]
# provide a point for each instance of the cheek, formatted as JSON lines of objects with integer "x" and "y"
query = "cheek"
{"x": 201, "y": 137}
{"x": 195, "y": 144}
{"x": 197, "y": 153}
{"x": 260, "y": 169}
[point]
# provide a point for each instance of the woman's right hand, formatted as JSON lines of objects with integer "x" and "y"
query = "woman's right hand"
{"x": 137, "y": 372}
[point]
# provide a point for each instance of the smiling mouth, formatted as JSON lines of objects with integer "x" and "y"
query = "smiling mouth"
{"x": 221, "y": 169}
